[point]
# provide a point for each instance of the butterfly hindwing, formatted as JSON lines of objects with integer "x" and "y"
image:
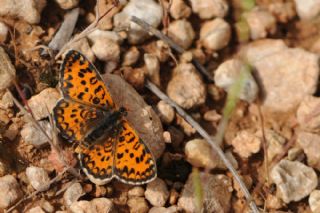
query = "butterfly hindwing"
{"x": 80, "y": 81}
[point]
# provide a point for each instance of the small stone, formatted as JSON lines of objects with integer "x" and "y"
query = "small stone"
{"x": 261, "y": 23}
{"x": 173, "y": 198}
{"x": 135, "y": 77}
{"x": 28, "y": 10}
{"x": 228, "y": 72}
{"x": 294, "y": 180}
{"x": 307, "y": 9}
{"x": 47, "y": 206}
{"x": 273, "y": 202}
{"x": 171, "y": 209}
{"x": 310, "y": 144}
{"x": 153, "y": 68}
{"x": 199, "y": 154}
{"x": 162, "y": 51}
{"x": 38, "y": 177}
{"x": 147, "y": 10}
{"x": 166, "y": 112}
{"x": 307, "y": 115}
{"x": 273, "y": 62}
{"x": 215, "y": 34}
{"x": 7, "y": 70}
{"x": 6, "y": 101}
{"x": 3, "y": 32}
{"x": 37, "y": 209}
{"x": 246, "y": 143}
{"x": 10, "y": 191}
{"x": 186, "y": 79}
{"x": 186, "y": 127}
{"x": 43, "y": 103}
{"x": 212, "y": 116}
{"x": 217, "y": 192}
{"x": 32, "y": 135}
{"x": 131, "y": 56}
{"x": 208, "y": 9}
{"x": 179, "y": 9}
{"x": 67, "y": 4}
{"x": 82, "y": 46}
{"x": 73, "y": 193}
{"x": 282, "y": 11}
{"x": 182, "y": 33}
{"x": 314, "y": 201}
{"x": 12, "y": 131}
{"x": 97, "y": 205}
{"x": 157, "y": 193}
{"x": 138, "y": 205}
{"x": 3, "y": 168}
{"x": 136, "y": 191}
{"x": 294, "y": 153}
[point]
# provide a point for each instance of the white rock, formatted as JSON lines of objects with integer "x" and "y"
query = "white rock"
{"x": 215, "y": 34}
{"x": 73, "y": 193}
{"x": 307, "y": 114}
{"x": 310, "y": 143}
{"x": 28, "y": 10}
{"x": 314, "y": 201}
{"x": 153, "y": 68}
{"x": 3, "y": 32}
{"x": 7, "y": 70}
{"x": 97, "y": 205}
{"x": 104, "y": 35}
{"x": 179, "y": 9}
{"x": 38, "y": 177}
{"x": 37, "y": 209}
{"x": 6, "y": 101}
{"x": 274, "y": 62}
{"x": 67, "y": 4}
{"x": 261, "y": 23}
{"x": 246, "y": 143}
{"x": 138, "y": 205}
{"x": 166, "y": 112}
{"x": 82, "y": 46}
{"x": 186, "y": 79}
{"x": 217, "y": 191}
{"x": 207, "y": 9}
{"x": 147, "y": 10}
{"x": 294, "y": 180}
{"x": 307, "y": 9}
{"x": 131, "y": 56}
{"x": 32, "y": 135}
{"x": 228, "y": 72}
{"x": 182, "y": 33}
{"x": 157, "y": 193}
{"x": 10, "y": 191}
{"x": 42, "y": 104}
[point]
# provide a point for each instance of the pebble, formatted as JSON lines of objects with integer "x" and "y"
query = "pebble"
{"x": 208, "y": 9}
{"x": 37, "y": 209}
{"x": 179, "y": 9}
{"x": 28, "y": 10}
{"x": 3, "y": 32}
{"x": 216, "y": 195}
{"x": 7, "y": 70}
{"x": 307, "y": 9}
{"x": 273, "y": 202}
{"x": 294, "y": 153}
{"x": 38, "y": 178}
{"x": 282, "y": 11}
{"x": 212, "y": 116}
{"x": 187, "y": 79}
{"x": 131, "y": 56}
{"x": 136, "y": 191}
{"x": 174, "y": 195}
{"x": 181, "y": 32}
{"x": 246, "y": 143}
{"x": 314, "y": 201}
{"x": 47, "y": 206}
{"x": 288, "y": 176}
{"x": 97, "y": 205}
{"x": 3, "y": 168}
{"x": 153, "y": 68}
{"x": 166, "y": 112}
{"x": 199, "y": 154}
{"x": 185, "y": 126}
{"x": 147, "y": 10}
{"x": 138, "y": 205}
{"x": 10, "y": 191}
{"x": 273, "y": 62}
{"x": 73, "y": 193}
{"x": 307, "y": 115}
{"x": 162, "y": 51}
{"x": 12, "y": 131}
{"x": 32, "y": 135}
{"x": 310, "y": 143}
{"x": 261, "y": 23}
{"x": 83, "y": 46}
{"x": 215, "y": 34}
{"x": 6, "y": 101}
{"x": 228, "y": 72}
{"x": 67, "y": 4}
{"x": 171, "y": 209}
{"x": 43, "y": 103}
{"x": 176, "y": 136}
{"x": 157, "y": 193}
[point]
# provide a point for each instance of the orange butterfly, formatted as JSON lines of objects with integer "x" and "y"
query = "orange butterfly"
{"x": 87, "y": 114}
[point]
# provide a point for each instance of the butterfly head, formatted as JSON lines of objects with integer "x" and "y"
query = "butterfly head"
{"x": 123, "y": 111}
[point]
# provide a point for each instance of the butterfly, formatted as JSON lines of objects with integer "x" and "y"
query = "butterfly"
{"x": 88, "y": 115}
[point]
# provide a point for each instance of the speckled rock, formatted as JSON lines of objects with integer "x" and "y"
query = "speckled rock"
{"x": 179, "y": 9}
{"x": 310, "y": 143}
{"x": 182, "y": 33}
{"x": 73, "y": 193}
{"x": 314, "y": 201}
{"x": 307, "y": 9}
{"x": 288, "y": 176}
{"x": 246, "y": 143}
{"x": 166, "y": 112}
{"x": 138, "y": 205}
{"x": 10, "y": 191}
{"x": 207, "y": 9}
{"x": 147, "y": 10}
{"x": 32, "y": 135}
{"x": 157, "y": 193}
{"x": 186, "y": 79}
{"x": 7, "y": 70}
{"x": 67, "y": 4}
{"x": 38, "y": 177}
{"x": 215, "y": 34}
{"x": 307, "y": 114}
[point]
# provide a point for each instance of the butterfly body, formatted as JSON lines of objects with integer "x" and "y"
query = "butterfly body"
{"x": 87, "y": 114}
